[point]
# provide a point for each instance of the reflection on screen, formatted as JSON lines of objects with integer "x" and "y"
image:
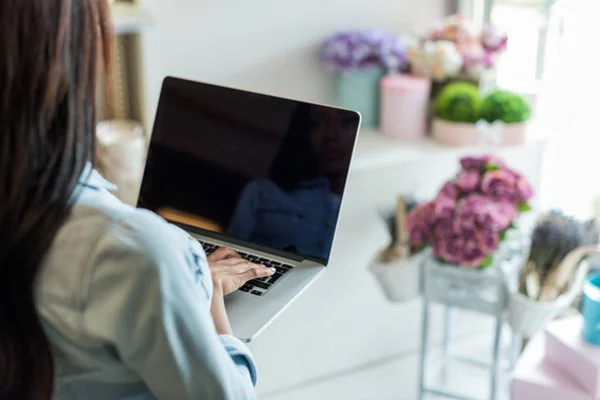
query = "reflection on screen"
{"x": 267, "y": 171}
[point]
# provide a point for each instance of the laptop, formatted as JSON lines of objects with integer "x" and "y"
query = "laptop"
{"x": 262, "y": 175}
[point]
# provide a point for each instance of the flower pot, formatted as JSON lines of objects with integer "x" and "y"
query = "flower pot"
{"x": 436, "y": 88}
{"x": 480, "y": 133}
{"x": 404, "y": 106}
{"x": 455, "y": 133}
{"x": 400, "y": 280}
{"x": 527, "y": 316}
{"x": 514, "y": 134}
{"x": 359, "y": 90}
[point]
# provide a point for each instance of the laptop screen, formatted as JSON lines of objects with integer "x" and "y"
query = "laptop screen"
{"x": 264, "y": 171}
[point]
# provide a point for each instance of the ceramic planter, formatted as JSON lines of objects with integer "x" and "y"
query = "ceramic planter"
{"x": 459, "y": 134}
{"x": 514, "y": 134}
{"x": 528, "y": 316}
{"x": 455, "y": 134}
{"x": 400, "y": 280}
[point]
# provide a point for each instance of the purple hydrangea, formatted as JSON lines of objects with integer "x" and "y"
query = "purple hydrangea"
{"x": 363, "y": 49}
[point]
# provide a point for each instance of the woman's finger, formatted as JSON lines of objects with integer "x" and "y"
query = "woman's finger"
{"x": 222, "y": 253}
{"x": 244, "y": 266}
{"x": 228, "y": 262}
{"x": 257, "y": 271}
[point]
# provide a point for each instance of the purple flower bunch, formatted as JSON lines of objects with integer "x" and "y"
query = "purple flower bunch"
{"x": 470, "y": 215}
{"x": 363, "y": 49}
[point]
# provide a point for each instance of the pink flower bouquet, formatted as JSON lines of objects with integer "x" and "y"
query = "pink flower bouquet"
{"x": 479, "y": 51}
{"x": 470, "y": 215}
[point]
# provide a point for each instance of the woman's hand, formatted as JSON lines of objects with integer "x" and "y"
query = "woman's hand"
{"x": 230, "y": 272}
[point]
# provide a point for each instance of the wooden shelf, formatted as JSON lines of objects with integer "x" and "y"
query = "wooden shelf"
{"x": 128, "y": 18}
{"x": 374, "y": 150}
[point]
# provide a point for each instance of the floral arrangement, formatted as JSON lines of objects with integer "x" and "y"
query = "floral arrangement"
{"x": 364, "y": 49}
{"x": 471, "y": 214}
{"x": 462, "y": 51}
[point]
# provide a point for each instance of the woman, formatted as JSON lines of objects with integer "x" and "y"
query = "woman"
{"x": 296, "y": 209}
{"x": 97, "y": 300}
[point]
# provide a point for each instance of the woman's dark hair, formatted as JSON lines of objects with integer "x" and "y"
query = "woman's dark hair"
{"x": 296, "y": 161}
{"x": 50, "y": 53}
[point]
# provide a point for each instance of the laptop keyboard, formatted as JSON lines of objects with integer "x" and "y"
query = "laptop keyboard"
{"x": 260, "y": 286}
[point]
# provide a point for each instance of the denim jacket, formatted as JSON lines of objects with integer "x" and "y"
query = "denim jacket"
{"x": 124, "y": 299}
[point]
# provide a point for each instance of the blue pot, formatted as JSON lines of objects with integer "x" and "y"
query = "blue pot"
{"x": 591, "y": 309}
{"x": 359, "y": 90}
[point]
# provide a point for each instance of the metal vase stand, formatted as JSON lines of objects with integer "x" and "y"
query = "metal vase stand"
{"x": 485, "y": 292}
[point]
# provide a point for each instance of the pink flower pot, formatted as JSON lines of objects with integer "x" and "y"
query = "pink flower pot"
{"x": 466, "y": 134}
{"x": 514, "y": 134}
{"x": 455, "y": 133}
{"x": 404, "y": 102}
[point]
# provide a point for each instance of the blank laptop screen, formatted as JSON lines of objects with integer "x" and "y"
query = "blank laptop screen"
{"x": 265, "y": 171}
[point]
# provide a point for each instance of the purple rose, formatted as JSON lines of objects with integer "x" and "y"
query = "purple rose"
{"x": 524, "y": 189}
{"x": 477, "y": 211}
{"x": 501, "y": 185}
{"x": 447, "y": 246}
{"x": 472, "y": 257}
{"x": 504, "y": 213}
{"x": 449, "y": 190}
{"x": 473, "y": 252}
{"x": 489, "y": 241}
{"x": 419, "y": 234}
{"x": 466, "y": 222}
{"x": 419, "y": 222}
{"x": 479, "y": 163}
{"x": 444, "y": 209}
{"x": 468, "y": 181}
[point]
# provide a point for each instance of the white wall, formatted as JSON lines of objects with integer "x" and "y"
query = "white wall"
{"x": 263, "y": 45}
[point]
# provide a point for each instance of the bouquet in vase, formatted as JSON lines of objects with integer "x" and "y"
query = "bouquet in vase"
{"x": 470, "y": 216}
